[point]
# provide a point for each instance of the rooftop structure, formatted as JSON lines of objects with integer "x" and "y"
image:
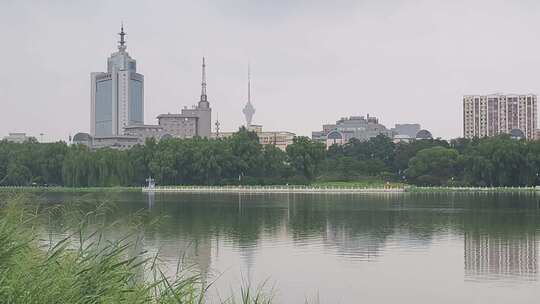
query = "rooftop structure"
{"x": 423, "y": 134}
{"x": 82, "y": 139}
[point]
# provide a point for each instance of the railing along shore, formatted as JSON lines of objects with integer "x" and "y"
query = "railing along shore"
{"x": 333, "y": 189}
{"x": 270, "y": 189}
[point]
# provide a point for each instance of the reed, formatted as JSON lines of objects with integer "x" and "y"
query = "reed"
{"x": 85, "y": 268}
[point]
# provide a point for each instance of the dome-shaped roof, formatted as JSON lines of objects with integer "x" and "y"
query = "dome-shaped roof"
{"x": 517, "y": 134}
{"x": 82, "y": 137}
{"x": 423, "y": 134}
{"x": 334, "y": 135}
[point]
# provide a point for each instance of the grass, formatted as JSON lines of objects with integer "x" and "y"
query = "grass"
{"x": 85, "y": 268}
{"x": 29, "y": 189}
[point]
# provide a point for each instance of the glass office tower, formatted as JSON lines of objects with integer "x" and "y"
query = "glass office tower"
{"x": 117, "y": 96}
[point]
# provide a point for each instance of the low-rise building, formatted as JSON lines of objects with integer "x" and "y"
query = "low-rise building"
{"x": 359, "y": 127}
{"x": 17, "y": 137}
{"x": 183, "y": 125}
{"x": 406, "y": 130}
{"x": 115, "y": 142}
{"x": 121, "y": 142}
{"x": 280, "y": 139}
{"x": 144, "y": 131}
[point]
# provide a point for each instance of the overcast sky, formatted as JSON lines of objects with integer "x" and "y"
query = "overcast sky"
{"x": 313, "y": 61}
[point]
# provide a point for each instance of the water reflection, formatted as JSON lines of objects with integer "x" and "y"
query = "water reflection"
{"x": 494, "y": 257}
{"x": 495, "y": 234}
{"x": 151, "y": 198}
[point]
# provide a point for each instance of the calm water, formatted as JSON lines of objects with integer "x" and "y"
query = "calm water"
{"x": 404, "y": 248}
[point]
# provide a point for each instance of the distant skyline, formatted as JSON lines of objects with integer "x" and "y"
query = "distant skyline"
{"x": 312, "y": 61}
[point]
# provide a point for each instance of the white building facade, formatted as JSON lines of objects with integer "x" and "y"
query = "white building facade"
{"x": 117, "y": 96}
{"x": 17, "y": 138}
{"x": 491, "y": 115}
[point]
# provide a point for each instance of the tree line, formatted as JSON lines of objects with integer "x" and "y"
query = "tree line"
{"x": 241, "y": 159}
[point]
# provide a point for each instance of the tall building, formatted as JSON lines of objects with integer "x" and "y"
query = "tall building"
{"x": 192, "y": 122}
{"x": 491, "y": 115}
{"x": 249, "y": 110}
{"x": 117, "y": 96}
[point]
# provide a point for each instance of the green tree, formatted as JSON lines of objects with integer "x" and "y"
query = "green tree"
{"x": 305, "y": 156}
{"x": 433, "y": 166}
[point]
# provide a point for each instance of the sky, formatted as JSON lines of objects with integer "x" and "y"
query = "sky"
{"x": 312, "y": 61}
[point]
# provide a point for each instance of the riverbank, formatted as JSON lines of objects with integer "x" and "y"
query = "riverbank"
{"x": 17, "y": 189}
{"x": 271, "y": 189}
{"x": 414, "y": 189}
{"x": 335, "y": 188}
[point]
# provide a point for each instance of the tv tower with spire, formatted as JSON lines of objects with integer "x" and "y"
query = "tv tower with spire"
{"x": 249, "y": 110}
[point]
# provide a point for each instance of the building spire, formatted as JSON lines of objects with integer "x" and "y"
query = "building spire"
{"x": 217, "y": 125}
{"x": 249, "y": 83}
{"x": 249, "y": 110}
{"x": 122, "y": 43}
{"x": 204, "y": 97}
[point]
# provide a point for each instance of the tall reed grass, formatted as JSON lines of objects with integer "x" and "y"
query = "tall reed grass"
{"x": 83, "y": 267}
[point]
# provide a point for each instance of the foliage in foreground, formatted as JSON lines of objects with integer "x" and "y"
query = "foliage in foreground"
{"x": 90, "y": 270}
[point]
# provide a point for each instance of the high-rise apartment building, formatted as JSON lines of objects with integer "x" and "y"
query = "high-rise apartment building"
{"x": 491, "y": 115}
{"x": 117, "y": 96}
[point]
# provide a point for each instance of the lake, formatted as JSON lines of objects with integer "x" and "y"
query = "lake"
{"x": 341, "y": 248}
